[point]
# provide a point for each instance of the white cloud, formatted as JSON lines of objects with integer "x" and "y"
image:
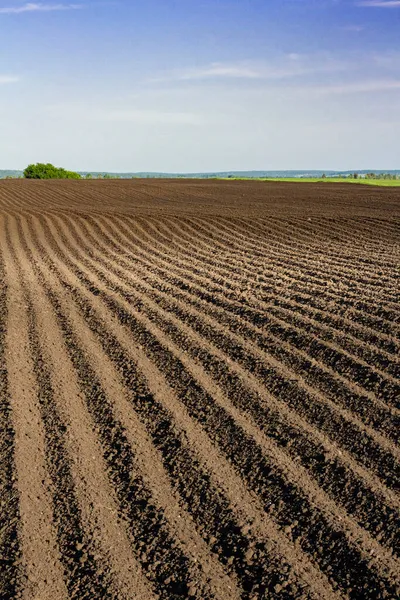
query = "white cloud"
{"x": 380, "y": 3}
{"x": 8, "y": 79}
{"x": 37, "y": 7}
{"x": 215, "y": 70}
{"x": 290, "y": 65}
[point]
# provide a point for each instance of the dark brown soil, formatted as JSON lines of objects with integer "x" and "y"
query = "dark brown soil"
{"x": 199, "y": 390}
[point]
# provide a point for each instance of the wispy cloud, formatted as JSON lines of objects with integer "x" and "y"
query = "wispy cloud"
{"x": 8, "y": 79}
{"x": 38, "y": 7}
{"x": 380, "y": 3}
{"x": 291, "y": 65}
{"x": 213, "y": 71}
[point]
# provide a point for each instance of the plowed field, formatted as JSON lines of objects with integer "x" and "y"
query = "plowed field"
{"x": 199, "y": 387}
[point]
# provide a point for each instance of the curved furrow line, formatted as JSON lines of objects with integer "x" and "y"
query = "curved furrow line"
{"x": 301, "y": 303}
{"x": 282, "y": 256}
{"x": 39, "y": 549}
{"x": 109, "y": 574}
{"x": 254, "y": 563}
{"x": 12, "y": 573}
{"x": 299, "y": 297}
{"x": 313, "y": 233}
{"x": 202, "y": 407}
{"x": 156, "y": 552}
{"x": 351, "y": 264}
{"x": 382, "y": 345}
{"x": 7, "y": 201}
{"x": 95, "y": 382}
{"x": 335, "y": 251}
{"x": 392, "y": 226}
{"x": 267, "y": 283}
{"x": 76, "y": 550}
{"x": 354, "y": 227}
{"x": 230, "y": 240}
{"x": 331, "y": 382}
{"x": 19, "y": 201}
{"x": 371, "y": 412}
{"x": 139, "y": 298}
{"x": 331, "y": 288}
{"x": 300, "y": 227}
{"x": 189, "y": 337}
{"x": 145, "y": 454}
{"x": 4, "y": 201}
{"x": 313, "y": 262}
{"x": 337, "y": 254}
{"x": 357, "y": 370}
{"x": 140, "y": 290}
{"x": 181, "y": 307}
{"x": 226, "y": 232}
{"x": 349, "y": 430}
{"x": 242, "y": 296}
{"x": 272, "y": 241}
{"x": 226, "y": 253}
{"x": 316, "y": 323}
{"x": 349, "y": 228}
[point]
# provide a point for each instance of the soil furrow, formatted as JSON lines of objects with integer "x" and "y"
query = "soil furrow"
{"x": 328, "y": 288}
{"x": 326, "y": 379}
{"x": 273, "y": 378}
{"x": 145, "y": 456}
{"x": 362, "y": 503}
{"x": 40, "y": 552}
{"x": 202, "y": 408}
{"x": 199, "y": 387}
{"x": 281, "y": 278}
{"x": 10, "y": 552}
{"x": 216, "y": 288}
{"x": 118, "y": 575}
{"x": 227, "y": 540}
{"x": 181, "y": 337}
{"x": 260, "y": 276}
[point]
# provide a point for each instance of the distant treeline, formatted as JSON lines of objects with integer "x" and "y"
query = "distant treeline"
{"x": 390, "y": 176}
{"x": 49, "y": 171}
{"x": 387, "y": 176}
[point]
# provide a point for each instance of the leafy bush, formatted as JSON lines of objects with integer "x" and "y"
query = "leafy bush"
{"x": 48, "y": 171}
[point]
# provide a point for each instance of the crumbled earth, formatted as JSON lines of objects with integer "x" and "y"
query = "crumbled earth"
{"x": 199, "y": 390}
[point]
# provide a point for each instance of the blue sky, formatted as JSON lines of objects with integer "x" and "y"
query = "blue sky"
{"x": 200, "y": 85}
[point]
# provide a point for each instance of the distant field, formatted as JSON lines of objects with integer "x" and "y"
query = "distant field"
{"x": 199, "y": 390}
{"x": 379, "y": 182}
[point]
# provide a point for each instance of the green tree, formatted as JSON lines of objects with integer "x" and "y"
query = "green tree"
{"x": 48, "y": 171}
